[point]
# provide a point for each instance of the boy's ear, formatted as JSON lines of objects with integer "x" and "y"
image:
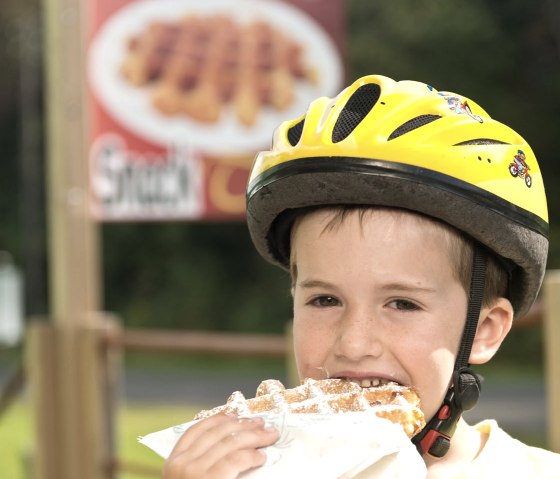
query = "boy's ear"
{"x": 493, "y": 326}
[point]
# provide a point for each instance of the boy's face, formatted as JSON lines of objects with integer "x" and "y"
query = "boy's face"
{"x": 377, "y": 298}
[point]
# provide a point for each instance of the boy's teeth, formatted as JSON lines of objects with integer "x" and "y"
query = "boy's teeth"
{"x": 368, "y": 383}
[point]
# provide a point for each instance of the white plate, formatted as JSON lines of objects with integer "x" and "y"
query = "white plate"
{"x": 131, "y": 105}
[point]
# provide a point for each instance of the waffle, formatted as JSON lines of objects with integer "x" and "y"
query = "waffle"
{"x": 397, "y": 403}
{"x": 200, "y": 65}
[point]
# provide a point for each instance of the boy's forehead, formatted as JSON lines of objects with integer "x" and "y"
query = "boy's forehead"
{"x": 330, "y": 218}
{"x": 406, "y": 224}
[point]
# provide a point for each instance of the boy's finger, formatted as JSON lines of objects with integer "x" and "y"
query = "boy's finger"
{"x": 238, "y": 449}
{"x": 216, "y": 435}
{"x": 199, "y": 429}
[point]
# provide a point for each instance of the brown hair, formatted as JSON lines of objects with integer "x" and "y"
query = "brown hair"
{"x": 460, "y": 248}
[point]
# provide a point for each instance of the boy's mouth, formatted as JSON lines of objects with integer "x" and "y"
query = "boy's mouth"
{"x": 371, "y": 382}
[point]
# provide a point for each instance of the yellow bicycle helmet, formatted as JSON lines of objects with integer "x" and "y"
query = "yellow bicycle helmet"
{"x": 404, "y": 144}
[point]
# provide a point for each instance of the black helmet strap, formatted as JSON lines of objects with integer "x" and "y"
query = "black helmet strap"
{"x": 463, "y": 394}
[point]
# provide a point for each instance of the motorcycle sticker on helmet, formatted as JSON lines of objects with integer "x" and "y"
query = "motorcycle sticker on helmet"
{"x": 520, "y": 168}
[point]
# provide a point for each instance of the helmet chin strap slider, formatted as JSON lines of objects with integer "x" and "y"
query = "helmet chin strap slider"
{"x": 469, "y": 384}
{"x": 435, "y": 438}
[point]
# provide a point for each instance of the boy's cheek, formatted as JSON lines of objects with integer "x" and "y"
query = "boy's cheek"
{"x": 309, "y": 358}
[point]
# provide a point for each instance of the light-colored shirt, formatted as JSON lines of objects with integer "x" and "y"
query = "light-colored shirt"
{"x": 504, "y": 456}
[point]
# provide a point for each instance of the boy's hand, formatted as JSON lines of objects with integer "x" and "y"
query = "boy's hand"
{"x": 220, "y": 447}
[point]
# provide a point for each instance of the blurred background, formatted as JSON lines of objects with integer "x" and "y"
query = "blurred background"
{"x": 203, "y": 273}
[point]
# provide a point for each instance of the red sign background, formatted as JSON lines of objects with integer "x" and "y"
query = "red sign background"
{"x": 135, "y": 178}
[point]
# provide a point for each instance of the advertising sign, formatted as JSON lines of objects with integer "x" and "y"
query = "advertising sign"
{"x": 184, "y": 93}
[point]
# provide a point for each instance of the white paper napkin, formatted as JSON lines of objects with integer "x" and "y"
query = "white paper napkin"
{"x": 330, "y": 446}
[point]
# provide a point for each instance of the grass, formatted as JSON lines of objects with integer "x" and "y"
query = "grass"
{"x": 137, "y": 420}
{"x": 15, "y": 437}
{"x": 133, "y": 420}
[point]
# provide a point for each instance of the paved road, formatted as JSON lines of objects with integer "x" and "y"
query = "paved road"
{"x": 518, "y": 407}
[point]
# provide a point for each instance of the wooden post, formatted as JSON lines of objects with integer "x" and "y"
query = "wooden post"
{"x": 71, "y": 400}
{"x": 74, "y": 246}
{"x": 65, "y": 363}
{"x": 551, "y": 333}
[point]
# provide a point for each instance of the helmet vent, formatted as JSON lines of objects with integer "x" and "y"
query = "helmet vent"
{"x": 294, "y": 132}
{"x": 410, "y": 125}
{"x": 355, "y": 110}
{"x": 481, "y": 141}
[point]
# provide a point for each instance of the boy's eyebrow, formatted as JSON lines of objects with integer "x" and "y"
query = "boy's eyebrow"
{"x": 314, "y": 283}
{"x": 401, "y": 287}
{"x": 407, "y": 287}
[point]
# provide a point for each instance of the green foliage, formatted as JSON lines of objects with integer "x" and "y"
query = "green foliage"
{"x": 9, "y": 187}
{"x": 197, "y": 276}
{"x": 432, "y": 41}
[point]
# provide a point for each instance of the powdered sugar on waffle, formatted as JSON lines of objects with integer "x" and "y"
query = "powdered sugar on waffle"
{"x": 390, "y": 401}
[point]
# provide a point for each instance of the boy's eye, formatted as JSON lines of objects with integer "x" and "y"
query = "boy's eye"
{"x": 403, "y": 305}
{"x": 325, "y": 301}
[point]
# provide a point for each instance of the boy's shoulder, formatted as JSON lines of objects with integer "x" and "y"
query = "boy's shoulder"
{"x": 504, "y": 456}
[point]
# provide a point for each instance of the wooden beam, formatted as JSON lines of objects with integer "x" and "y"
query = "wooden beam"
{"x": 199, "y": 342}
{"x": 74, "y": 245}
{"x": 551, "y": 334}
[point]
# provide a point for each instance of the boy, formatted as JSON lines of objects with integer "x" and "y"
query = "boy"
{"x": 411, "y": 248}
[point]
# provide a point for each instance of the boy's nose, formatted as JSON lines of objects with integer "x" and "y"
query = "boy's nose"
{"x": 359, "y": 335}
